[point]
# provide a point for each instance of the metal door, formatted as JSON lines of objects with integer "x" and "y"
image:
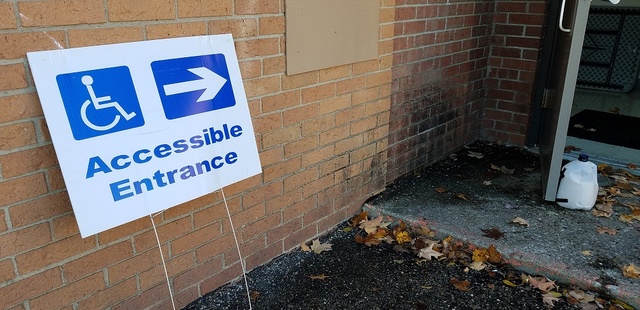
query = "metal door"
{"x": 558, "y": 94}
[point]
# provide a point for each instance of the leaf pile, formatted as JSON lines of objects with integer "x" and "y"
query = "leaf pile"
{"x": 421, "y": 242}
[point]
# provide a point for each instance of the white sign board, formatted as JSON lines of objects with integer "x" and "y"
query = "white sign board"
{"x": 141, "y": 127}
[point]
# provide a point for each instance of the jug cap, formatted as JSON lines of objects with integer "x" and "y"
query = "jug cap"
{"x": 583, "y": 157}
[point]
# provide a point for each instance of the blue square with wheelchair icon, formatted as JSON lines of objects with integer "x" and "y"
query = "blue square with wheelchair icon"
{"x": 100, "y": 102}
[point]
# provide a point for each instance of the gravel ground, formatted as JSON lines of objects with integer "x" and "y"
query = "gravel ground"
{"x": 376, "y": 277}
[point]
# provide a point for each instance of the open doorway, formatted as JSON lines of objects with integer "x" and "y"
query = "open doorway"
{"x": 605, "y": 114}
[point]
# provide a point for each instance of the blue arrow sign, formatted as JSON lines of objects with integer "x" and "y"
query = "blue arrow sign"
{"x": 193, "y": 85}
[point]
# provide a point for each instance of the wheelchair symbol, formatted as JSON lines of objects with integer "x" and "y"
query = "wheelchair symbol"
{"x": 100, "y": 103}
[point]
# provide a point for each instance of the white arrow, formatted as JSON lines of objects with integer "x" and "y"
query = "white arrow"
{"x": 210, "y": 82}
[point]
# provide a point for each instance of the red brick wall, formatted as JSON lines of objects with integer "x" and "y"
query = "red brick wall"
{"x": 328, "y": 139}
{"x": 515, "y": 46}
{"x": 440, "y": 63}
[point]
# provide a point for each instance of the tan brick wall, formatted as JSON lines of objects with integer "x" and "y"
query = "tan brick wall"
{"x": 328, "y": 139}
{"x": 321, "y": 135}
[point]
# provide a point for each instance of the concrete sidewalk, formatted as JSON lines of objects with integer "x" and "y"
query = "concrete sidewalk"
{"x": 480, "y": 197}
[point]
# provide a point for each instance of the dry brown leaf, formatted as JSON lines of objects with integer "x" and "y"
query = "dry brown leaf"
{"x": 403, "y": 237}
{"x": 494, "y": 256}
{"x": 428, "y": 252}
{"x": 631, "y": 271}
{"x": 548, "y": 299}
{"x": 477, "y": 265}
{"x": 356, "y": 220}
{"x": 255, "y": 295}
{"x": 503, "y": 169}
{"x": 461, "y": 196}
{"x": 520, "y": 221}
{"x": 319, "y": 277}
{"x": 304, "y": 247}
{"x": 425, "y": 231}
{"x": 461, "y": 285}
{"x": 373, "y": 224}
{"x": 318, "y": 247}
{"x": 632, "y": 166}
{"x": 615, "y": 110}
{"x": 441, "y": 190}
{"x": 480, "y": 255}
{"x": 607, "y": 230}
{"x": 475, "y": 155}
{"x": 487, "y": 183}
{"x": 586, "y": 253}
{"x": 542, "y": 283}
{"x": 629, "y": 218}
{"x": 493, "y": 232}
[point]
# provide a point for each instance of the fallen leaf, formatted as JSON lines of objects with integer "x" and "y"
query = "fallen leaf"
{"x": 477, "y": 265}
{"x": 475, "y": 155}
{"x": 373, "y": 224}
{"x": 356, "y": 220}
{"x": 631, "y": 271}
{"x": 425, "y": 231}
{"x": 586, "y": 253}
{"x": 486, "y": 183}
{"x": 494, "y": 256}
{"x": 632, "y": 166}
{"x": 318, "y": 247}
{"x": 520, "y": 221}
{"x": 460, "y": 285}
{"x": 629, "y": 218}
{"x": 542, "y": 283}
{"x": 480, "y": 255}
{"x": 347, "y": 229}
{"x": 319, "y": 277}
{"x": 403, "y": 237}
{"x": 569, "y": 148}
{"x": 509, "y": 283}
{"x": 428, "y": 252}
{"x": 304, "y": 247}
{"x": 441, "y": 190}
{"x": 548, "y": 299}
{"x": 578, "y": 126}
{"x": 621, "y": 304}
{"x": 503, "y": 169}
{"x": 255, "y": 295}
{"x": 398, "y": 261}
{"x": 615, "y": 110}
{"x": 607, "y": 230}
{"x": 461, "y": 196}
{"x": 581, "y": 296}
{"x": 493, "y": 233}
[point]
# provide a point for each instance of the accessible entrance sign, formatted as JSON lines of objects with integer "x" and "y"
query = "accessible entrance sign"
{"x": 141, "y": 127}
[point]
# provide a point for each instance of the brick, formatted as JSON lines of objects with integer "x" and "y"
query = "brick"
{"x": 97, "y": 261}
{"x": 130, "y": 267}
{"x": 145, "y": 299}
{"x": 124, "y": 231}
{"x": 261, "y": 226}
{"x": 22, "y": 240}
{"x": 350, "y": 115}
{"x": 299, "y": 208}
{"x": 16, "y": 45}
{"x": 177, "y": 265}
{"x": 350, "y": 85}
{"x": 318, "y": 124}
{"x": 162, "y": 31}
{"x": 30, "y": 287}
{"x": 365, "y": 95}
{"x": 30, "y": 160}
{"x": 22, "y": 188}
{"x": 363, "y": 125}
{"x": 207, "y": 270}
{"x": 239, "y": 28}
{"x": 53, "y": 253}
{"x": 124, "y": 10}
{"x": 197, "y": 237}
{"x": 61, "y": 13}
{"x": 280, "y": 101}
{"x": 265, "y": 192}
{"x": 378, "y": 78}
{"x": 300, "y": 146}
{"x": 19, "y": 107}
{"x": 166, "y": 232}
{"x": 334, "y": 135}
{"x": 13, "y": 77}
{"x": 262, "y": 86}
{"x": 99, "y": 36}
{"x": 54, "y": 179}
{"x": 110, "y": 295}
{"x": 44, "y": 130}
{"x": 40, "y": 209}
{"x": 273, "y": 65}
{"x": 3, "y": 222}
{"x": 299, "y": 80}
{"x": 281, "y": 169}
{"x": 288, "y": 198}
{"x": 257, "y": 47}
{"x": 197, "y": 8}
{"x": 318, "y": 92}
{"x": 282, "y": 231}
{"x": 250, "y": 7}
{"x": 239, "y": 187}
{"x": 17, "y": 135}
{"x": 276, "y": 137}
{"x": 6, "y": 271}
{"x": 271, "y": 156}
{"x": 296, "y": 238}
{"x": 65, "y": 227}
{"x": 214, "y": 248}
{"x": 271, "y": 25}
{"x": 264, "y": 255}
{"x": 250, "y": 69}
{"x": 300, "y": 114}
{"x": 365, "y": 66}
{"x": 7, "y": 16}
{"x": 69, "y": 293}
{"x": 334, "y": 73}
{"x": 334, "y": 104}
{"x": 348, "y": 144}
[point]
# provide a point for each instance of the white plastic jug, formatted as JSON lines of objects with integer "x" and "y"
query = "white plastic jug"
{"x": 578, "y": 188}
